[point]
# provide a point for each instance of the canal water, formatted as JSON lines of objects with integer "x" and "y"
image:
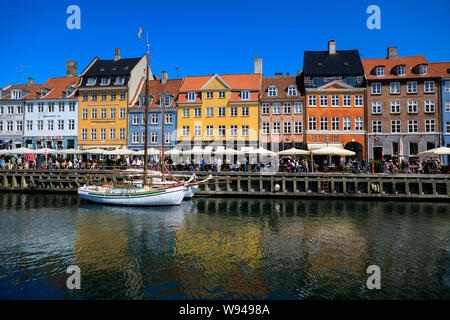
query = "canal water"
{"x": 211, "y": 248}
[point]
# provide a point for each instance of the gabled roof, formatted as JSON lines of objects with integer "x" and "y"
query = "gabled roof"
{"x": 215, "y": 76}
{"x": 58, "y": 87}
{"x": 441, "y": 68}
{"x": 336, "y": 85}
{"x": 282, "y": 83}
{"x": 321, "y": 63}
{"x": 31, "y": 91}
{"x": 155, "y": 90}
{"x": 245, "y": 81}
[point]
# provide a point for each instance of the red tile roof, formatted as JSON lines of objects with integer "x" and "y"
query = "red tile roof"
{"x": 441, "y": 68}
{"x": 282, "y": 83}
{"x": 58, "y": 85}
{"x": 245, "y": 81}
{"x": 156, "y": 88}
{"x": 34, "y": 91}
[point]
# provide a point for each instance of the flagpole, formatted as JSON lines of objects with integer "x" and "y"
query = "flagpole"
{"x": 146, "y": 117}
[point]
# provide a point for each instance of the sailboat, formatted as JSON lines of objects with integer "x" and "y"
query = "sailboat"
{"x": 164, "y": 194}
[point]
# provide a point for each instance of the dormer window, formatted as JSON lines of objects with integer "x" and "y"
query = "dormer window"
{"x": 379, "y": 71}
{"x": 245, "y": 95}
{"x": 191, "y": 96}
{"x": 119, "y": 80}
{"x": 317, "y": 81}
{"x": 401, "y": 70}
{"x": 104, "y": 81}
{"x": 272, "y": 91}
{"x": 168, "y": 101}
{"x": 292, "y": 91}
{"x": 141, "y": 100}
{"x": 423, "y": 69}
{"x": 16, "y": 94}
{"x": 91, "y": 81}
{"x": 69, "y": 91}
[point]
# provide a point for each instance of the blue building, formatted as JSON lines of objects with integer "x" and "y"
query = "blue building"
{"x": 444, "y": 70}
{"x": 160, "y": 90}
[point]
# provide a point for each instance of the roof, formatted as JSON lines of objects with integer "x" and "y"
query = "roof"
{"x": 389, "y": 64}
{"x": 58, "y": 87}
{"x": 441, "y": 68}
{"x": 321, "y": 63}
{"x": 155, "y": 89}
{"x": 282, "y": 83}
{"x": 32, "y": 91}
{"x": 244, "y": 81}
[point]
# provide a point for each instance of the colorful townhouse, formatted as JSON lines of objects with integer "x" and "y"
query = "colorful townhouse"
{"x": 12, "y": 109}
{"x": 282, "y": 115}
{"x": 402, "y": 106}
{"x": 51, "y": 119}
{"x": 443, "y": 70}
{"x": 160, "y": 91}
{"x": 219, "y": 110}
{"x": 106, "y": 88}
{"x": 335, "y": 97}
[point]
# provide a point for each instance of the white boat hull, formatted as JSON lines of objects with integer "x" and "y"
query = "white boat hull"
{"x": 163, "y": 196}
{"x": 191, "y": 190}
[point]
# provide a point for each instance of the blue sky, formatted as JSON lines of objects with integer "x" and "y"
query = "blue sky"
{"x": 206, "y": 37}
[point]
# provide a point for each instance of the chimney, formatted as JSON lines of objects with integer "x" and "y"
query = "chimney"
{"x": 258, "y": 65}
{"x": 278, "y": 74}
{"x": 332, "y": 47}
{"x": 71, "y": 68}
{"x": 392, "y": 53}
{"x": 287, "y": 74}
{"x": 164, "y": 77}
{"x": 117, "y": 54}
{"x": 30, "y": 81}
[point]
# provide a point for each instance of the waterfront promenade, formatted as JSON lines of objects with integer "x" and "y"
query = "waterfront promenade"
{"x": 251, "y": 184}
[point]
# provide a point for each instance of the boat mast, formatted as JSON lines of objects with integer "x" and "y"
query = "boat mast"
{"x": 162, "y": 128}
{"x": 146, "y": 117}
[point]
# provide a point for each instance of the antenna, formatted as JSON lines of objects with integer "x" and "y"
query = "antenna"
{"x": 21, "y": 66}
{"x": 177, "y": 67}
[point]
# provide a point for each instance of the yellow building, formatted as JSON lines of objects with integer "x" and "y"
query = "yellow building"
{"x": 106, "y": 88}
{"x": 219, "y": 110}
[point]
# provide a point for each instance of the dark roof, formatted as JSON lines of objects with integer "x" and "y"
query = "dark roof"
{"x": 343, "y": 62}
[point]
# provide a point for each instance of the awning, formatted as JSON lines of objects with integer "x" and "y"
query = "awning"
{"x": 315, "y": 146}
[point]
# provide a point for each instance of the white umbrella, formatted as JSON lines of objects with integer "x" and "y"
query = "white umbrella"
{"x": 173, "y": 152}
{"x": 442, "y": 151}
{"x": 262, "y": 151}
{"x": 150, "y": 152}
{"x": 400, "y": 150}
{"x": 45, "y": 151}
{"x": 122, "y": 152}
{"x": 227, "y": 152}
{"x": 70, "y": 151}
{"x": 95, "y": 151}
{"x": 294, "y": 151}
{"x": 18, "y": 151}
{"x": 195, "y": 150}
{"x": 332, "y": 151}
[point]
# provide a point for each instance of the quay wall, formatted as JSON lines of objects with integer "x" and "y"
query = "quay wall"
{"x": 243, "y": 184}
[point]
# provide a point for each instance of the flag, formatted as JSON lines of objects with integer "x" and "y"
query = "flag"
{"x": 140, "y": 32}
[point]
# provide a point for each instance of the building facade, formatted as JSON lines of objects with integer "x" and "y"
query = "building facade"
{"x": 51, "y": 120}
{"x": 335, "y": 98}
{"x": 402, "y": 106}
{"x": 160, "y": 91}
{"x": 219, "y": 110}
{"x": 105, "y": 91}
{"x": 282, "y": 115}
{"x": 12, "y": 109}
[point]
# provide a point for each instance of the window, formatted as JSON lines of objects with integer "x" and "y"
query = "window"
{"x": 347, "y": 100}
{"x": 112, "y": 113}
{"x": 91, "y": 81}
{"x": 197, "y": 112}
{"x": 71, "y": 124}
{"x": 265, "y": 108}
{"x": 136, "y": 119}
{"x": 154, "y": 118}
{"x": 83, "y": 134}
{"x": 429, "y": 86}
{"x": 317, "y": 81}
{"x": 324, "y": 101}
{"x": 112, "y": 134}
{"x": 287, "y": 108}
{"x": 413, "y": 148}
{"x": 297, "y": 127}
{"x": 169, "y": 118}
{"x": 412, "y": 106}
{"x": 1, "y": 126}
{"x": 447, "y": 86}
{"x": 377, "y": 126}
{"x": 209, "y": 95}
{"x": 359, "y": 123}
{"x": 94, "y": 95}
{"x": 350, "y": 81}
{"x": 233, "y": 131}
{"x": 122, "y": 113}
{"x": 103, "y": 94}
{"x": 413, "y": 126}
{"x": 272, "y": 91}
{"x": 379, "y": 71}
{"x": 359, "y": 100}
{"x": 29, "y": 107}
{"x": 335, "y": 123}
{"x": 60, "y": 124}
{"x": 122, "y": 134}
{"x": 395, "y": 87}
{"x": 323, "y": 123}
{"x": 209, "y": 112}
{"x": 49, "y": 125}
{"x": 335, "y": 101}
{"x": 276, "y": 128}
{"x": 430, "y": 125}
{"x": 9, "y": 126}
{"x": 19, "y": 109}
{"x": 123, "y": 94}
{"x": 168, "y": 138}
{"x": 222, "y": 112}
{"x": 401, "y": 70}
{"x": 298, "y": 107}
{"x": 376, "y": 107}
{"x": 287, "y": 128}
{"x": 347, "y": 124}
{"x": 102, "y": 134}
{"x": 396, "y": 126}
{"x": 245, "y": 95}
{"x": 266, "y": 128}
{"x": 135, "y": 137}
{"x": 61, "y": 106}
{"x": 209, "y": 131}
{"x": 395, "y": 107}
{"x": 103, "y": 113}
{"x": 423, "y": 69}
{"x": 185, "y": 113}
{"x": 19, "y": 126}
{"x": 85, "y": 96}
{"x": 447, "y": 106}
{"x": 292, "y": 91}
{"x": 154, "y": 138}
{"x": 221, "y": 131}
{"x": 119, "y": 80}
{"x": 10, "y": 109}
{"x": 312, "y": 125}
{"x": 40, "y": 125}
{"x": 245, "y": 131}
{"x": 72, "y": 105}
{"x": 412, "y": 87}
{"x": 16, "y": 94}
{"x": 276, "y": 108}
{"x": 447, "y": 127}
{"x": 104, "y": 81}
{"x": 429, "y": 106}
{"x": 376, "y": 88}
{"x": 51, "y": 107}
{"x": 312, "y": 101}
{"x": 244, "y": 112}
{"x": 94, "y": 114}
{"x": 168, "y": 100}
{"x": 113, "y": 95}
{"x": 221, "y": 94}
{"x": 29, "y": 125}
{"x": 233, "y": 111}
{"x": 197, "y": 131}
